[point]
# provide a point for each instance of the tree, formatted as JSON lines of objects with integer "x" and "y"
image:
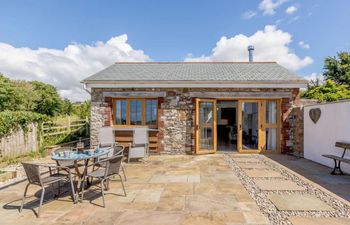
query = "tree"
{"x": 7, "y": 94}
{"x": 329, "y": 91}
{"x": 49, "y": 101}
{"x": 338, "y": 68}
{"x": 26, "y": 96}
{"x": 67, "y": 107}
{"x": 83, "y": 109}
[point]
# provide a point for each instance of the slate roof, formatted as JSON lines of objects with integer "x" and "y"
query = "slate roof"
{"x": 195, "y": 71}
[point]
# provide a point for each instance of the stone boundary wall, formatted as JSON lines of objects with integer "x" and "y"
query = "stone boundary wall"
{"x": 176, "y": 114}
{"x": 20, "y": 142}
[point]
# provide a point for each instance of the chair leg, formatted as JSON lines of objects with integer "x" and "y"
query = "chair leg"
{"x": 82, "y": 190}
{"x": 73, "y": 191}
{"x": 24, "y": 197}
{"x": 121, "y": 180}
{"x": 123, "y": 172}
{"x": 41, "y": 200}
{"x": 103, "y": 194}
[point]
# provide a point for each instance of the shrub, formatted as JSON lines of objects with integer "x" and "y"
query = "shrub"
{"x": 12, "y": 120}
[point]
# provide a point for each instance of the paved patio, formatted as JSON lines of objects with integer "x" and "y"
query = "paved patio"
{"x": 166, "y": 190}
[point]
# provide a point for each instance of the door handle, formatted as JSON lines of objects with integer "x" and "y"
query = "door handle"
{"x": 240, "y": 127}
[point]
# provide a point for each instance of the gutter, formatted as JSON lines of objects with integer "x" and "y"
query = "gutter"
{"x": 86, "y": 89}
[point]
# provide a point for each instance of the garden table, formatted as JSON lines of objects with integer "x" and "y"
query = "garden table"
{"x": 77, "y": 156}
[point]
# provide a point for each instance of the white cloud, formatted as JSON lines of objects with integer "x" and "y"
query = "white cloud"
{"x": 314, "y": 76}
{"x": 291, "y": 9}
{"x": 66, "y": 68}
{"x": 304, "y": 45}
{"x": 269, "y": 6}
{"x": 271, "y": 44}
{"x": 249, "y": 14}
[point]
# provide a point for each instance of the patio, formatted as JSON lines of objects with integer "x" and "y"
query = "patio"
{"x": 183, "y": 189}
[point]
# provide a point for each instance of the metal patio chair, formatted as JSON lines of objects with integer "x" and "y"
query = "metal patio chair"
{"x": 117, "y": 150}
{"x": 139, "y": 147}
{"x": 105, "y": 173}
{"x": 35, "y": 178}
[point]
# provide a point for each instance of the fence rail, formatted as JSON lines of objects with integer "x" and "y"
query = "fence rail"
{"x": 52, "y": 128}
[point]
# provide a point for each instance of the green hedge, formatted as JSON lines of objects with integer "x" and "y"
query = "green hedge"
{"x": 12, "y": 120}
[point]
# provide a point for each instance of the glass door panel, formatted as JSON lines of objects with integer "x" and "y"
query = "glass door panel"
{"x": 205, "y": 126}
{"x": 271, "y": 125}
{"x": 250, "y": 125}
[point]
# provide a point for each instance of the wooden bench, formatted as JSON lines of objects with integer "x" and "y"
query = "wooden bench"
{"x": 339, "y": 159}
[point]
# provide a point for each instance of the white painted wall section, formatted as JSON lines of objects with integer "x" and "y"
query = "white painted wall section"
{"x": 320, "y": 138}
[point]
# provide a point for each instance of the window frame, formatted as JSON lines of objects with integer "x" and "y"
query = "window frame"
{"x": 128, "y": 114}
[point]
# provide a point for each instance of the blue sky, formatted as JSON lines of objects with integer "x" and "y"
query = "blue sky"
{"x": 169, "y": 31}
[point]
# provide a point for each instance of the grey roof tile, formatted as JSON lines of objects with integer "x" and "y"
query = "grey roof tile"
{"x": 208, "y": 71}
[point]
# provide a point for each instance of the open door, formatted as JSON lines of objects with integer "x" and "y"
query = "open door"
{"x": 205, "y": 126}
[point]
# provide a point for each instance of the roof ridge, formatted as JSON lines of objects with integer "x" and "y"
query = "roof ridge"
{"x": 216, "y": 62}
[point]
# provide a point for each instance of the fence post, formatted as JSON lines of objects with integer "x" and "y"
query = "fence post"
{"x": 41, "y": 133}
{"x": 69, "y": 125}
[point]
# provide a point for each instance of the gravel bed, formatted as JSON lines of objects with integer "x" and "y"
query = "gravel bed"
{"x": 268, "y": 208}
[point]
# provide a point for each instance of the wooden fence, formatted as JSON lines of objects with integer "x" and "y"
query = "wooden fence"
{"x": 19, "y": 142}
{"x": 70, "y": 126}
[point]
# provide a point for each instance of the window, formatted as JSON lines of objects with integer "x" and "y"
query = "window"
{"x": 271, "y": 112}
{"x": 135, "y": 112}
{"x": 120, "y": 112}
{"x": 151, "y": 112}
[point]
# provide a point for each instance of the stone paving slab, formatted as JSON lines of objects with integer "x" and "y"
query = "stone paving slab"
{"x": 298, "y": 202}
{"x": 319, "y": 221}
{"x": 278, "y": 185}
{"x": 262, "y": 173}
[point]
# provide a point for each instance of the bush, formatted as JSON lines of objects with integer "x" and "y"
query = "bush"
{"x": 329, "y": 92}
{"x": 12, "y": 120}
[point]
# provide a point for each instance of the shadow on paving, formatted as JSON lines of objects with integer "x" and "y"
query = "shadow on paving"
{"x": 320, "y": 174}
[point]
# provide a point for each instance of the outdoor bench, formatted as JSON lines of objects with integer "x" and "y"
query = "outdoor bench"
{"x": 339, "y": 159}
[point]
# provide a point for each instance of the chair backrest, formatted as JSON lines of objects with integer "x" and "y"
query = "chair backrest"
{"x": 106, "y": 137}
{"x": 33, "y": 173}
{"x": 140, "y": 136}
{"x": 113, "y": 165}
{"x": 118, "y": 150}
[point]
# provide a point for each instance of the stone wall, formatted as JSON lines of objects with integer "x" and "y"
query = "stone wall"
{"x": 20, "y": 142}
{"x": 290, "y": 130}
{"x": 98, "y": 117}
{"x": 296, "y": 126}
{"x": 176, "y": 114}
{"x": 176, "y": 122}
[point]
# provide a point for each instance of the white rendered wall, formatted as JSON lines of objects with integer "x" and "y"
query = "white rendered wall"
{"x": 320, "y": 138}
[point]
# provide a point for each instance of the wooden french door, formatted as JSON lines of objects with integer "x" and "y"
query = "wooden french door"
{"x": 249, "y": 126}
{"x": 271, "y": 125}
{"x": 258, "y": 126}
{"x": 205, "y": 126}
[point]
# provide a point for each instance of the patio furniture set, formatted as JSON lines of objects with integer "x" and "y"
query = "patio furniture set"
{"x": 84, "y": 165}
